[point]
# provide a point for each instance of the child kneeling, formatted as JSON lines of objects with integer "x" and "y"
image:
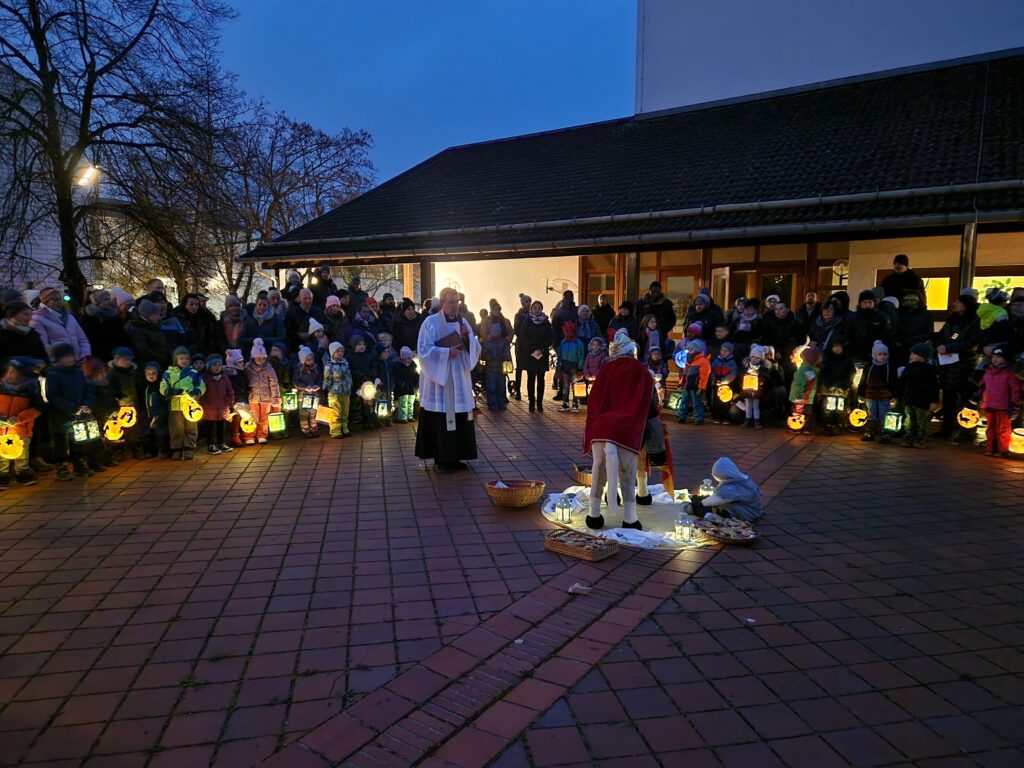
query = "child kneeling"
{"x": 736, "y": 495}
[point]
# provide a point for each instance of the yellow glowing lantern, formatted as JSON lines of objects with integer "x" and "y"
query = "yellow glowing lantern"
{"x": 368, "y": 391}
{"x": 835, "y": 403}
{"x": 11, "y": 446}
{"x": 507, "y": 367}
{"x": 968, "y": 418}
{"x": 893, "y": 423}
{"x": 1017, "y": 442}
{"x": 192, "y": 410}
{"x": 796, "y": 421}
{"x": 751, "y": 382}
{"x": 127, "y": 416}
{"x": 112, "y": 430}
{"x": 275, "y": 421}
{"x": 725, "y": 393}
{"x": 246, "y": 421}
{"x": 858, "y": 417}
{"x": 580, "y": 388}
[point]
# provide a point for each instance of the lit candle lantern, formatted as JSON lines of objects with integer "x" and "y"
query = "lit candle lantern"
{"x": 11, "y": 446}
{"x": 835, "y": 403}
{"x": 563, "y": 509}
{"x": 725, "y": 393}
{"x": 84, "y": 429}
{"x": 893, "y": 423}
{"x": 368, "y": 391}
{"x": 796, "y": 421}
{"x": 507, "y": 367}
{"x": 968, "y": 418}
{"x": 1017, "y": 442}
{"x": 579, "y": 388}
{"x": 309, "y": 401}
{"x": 113, "y": 431}
{"x": 858, "y": 417}
{"x": 127, "y": 416}
{"x": 275, "y": 423}
{"x": 290, "y": 400}
{"x": 751, "y": 382}
{"x": 193, "y": 411}
{"x": 383, "y": 409}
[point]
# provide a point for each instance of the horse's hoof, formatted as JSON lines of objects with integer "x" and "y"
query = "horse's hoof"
{"x": 645, "y": 501}
{"x": 635, "y": 526}
{"x": 595, "y": 523}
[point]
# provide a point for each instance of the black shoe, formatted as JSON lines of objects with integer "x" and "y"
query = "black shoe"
{"x": 540, "y": 407}
{"x": 5, "y": 481}
{"x": 532, "y": 406}
{"x": 595, "y": 523}
{"x": 635, "y": 526}
{"x": 519, "y": 397}
{"x": 460, "y": 466}
{"x": 645, "y": 500}
{"x": 63, "y": 474}
{"x": 188, "y": 455}
{"x": 225, "y": 448}
{"x": 445, "y": 468}
{"x": 41, "y": 465}
{"x": 213, "y": 450}
{"x": 83, "y": 471}
{"x": 25, "y": 478}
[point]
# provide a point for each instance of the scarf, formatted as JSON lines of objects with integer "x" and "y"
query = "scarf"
{"x": 12, "y": 326}
{"x": 264, "y": 317}
{"x": 95, "y": 310}
{"x": 539, "y": 318}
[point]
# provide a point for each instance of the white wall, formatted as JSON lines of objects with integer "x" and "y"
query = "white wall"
{"x": 505, "y": 279}
{"x": 869, "y": 256}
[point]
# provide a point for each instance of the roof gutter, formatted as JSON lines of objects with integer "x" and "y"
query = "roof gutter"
{"x": 700, "y": 235}
{"x": 678, "y": 213}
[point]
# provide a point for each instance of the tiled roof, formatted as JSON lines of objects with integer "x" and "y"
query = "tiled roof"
{"x": 952, "y": 124}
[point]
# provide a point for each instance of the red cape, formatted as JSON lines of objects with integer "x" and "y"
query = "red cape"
{"x": 618, "y": 404}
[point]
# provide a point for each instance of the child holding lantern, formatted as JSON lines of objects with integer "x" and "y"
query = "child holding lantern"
{"x": 407, "y": 380}
{"x": 1000, "y": 395}
{"x": 921, "y": 394}
{"x": 723, "y": 374}
{"x": 878, "y": 386}
{"x": 123, "y": 376}
{"x": 180, "y": 385}
{"x": 264, "y": 390}
{"x": 234, "y": 369}
{"x": 217, "y": 401}
{"x": 104, "y": 408}
{"x": 338, "y": 385}
{"x": 20, "y": 405}
{"x": 307, "y": 380}
{"x": 755, "y": 376}
{"x": 68, "y": 396}
{"x": 804, "y": 387}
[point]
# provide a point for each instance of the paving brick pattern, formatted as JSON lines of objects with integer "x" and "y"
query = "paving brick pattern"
{"x": 319, "y": 603}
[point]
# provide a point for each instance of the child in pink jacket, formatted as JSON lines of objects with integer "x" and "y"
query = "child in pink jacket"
{"x": 1000, "y": 397}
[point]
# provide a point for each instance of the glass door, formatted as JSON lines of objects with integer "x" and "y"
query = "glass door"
{"x": 680, "y": 286}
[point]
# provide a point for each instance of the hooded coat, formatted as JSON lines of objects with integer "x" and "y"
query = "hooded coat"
{"x": 534, "y": 337}
{"x": 736, "y": 493}
{"x": 56, "y": 327}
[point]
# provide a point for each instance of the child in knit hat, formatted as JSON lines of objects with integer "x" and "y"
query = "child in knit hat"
{"x": 879, "y": 386}
{"x": 752, "y": 385}
{"x": 21, "y": 403}
{"x": 693, "y": 381}
{"x": 494, "y": 353}
{"x": 723, "y": 374}
{"x": 104, "y": 407}
{"x": 218, "y": 403}
{"x": 1000, "y": 395}
{"x": 361, "y": 364}
{"x": 234, "y": 369}
{"x": 921, "y": 394}
{"x": 264, "y": 391}
{"x": 407, "y": 380}
{"x": 571, "y": 354}
{"x": 383, "y": 377}
{"x": 805, "y": 386}
{"x": 180, "y": 383}
{"x": 597, "y": 355}
{"x": 338, "y": 385}
{"x": 307, "y": 381}
{"x": 68, "y": 396}
{"x": 153, "y": 414}
{"x": 835, "y": 380}
{"x": 125, "y": 380}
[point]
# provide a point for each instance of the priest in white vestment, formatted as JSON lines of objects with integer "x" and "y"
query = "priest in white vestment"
{"x": 448, "y": 350}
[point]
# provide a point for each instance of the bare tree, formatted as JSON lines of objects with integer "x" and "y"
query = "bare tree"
{"x": 90, "y": 79}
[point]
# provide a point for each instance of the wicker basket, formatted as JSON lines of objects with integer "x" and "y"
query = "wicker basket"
{"x": 583, "y": 474}
{"x": 580, "y": 545}
{"x": 747, "y": 535}
{"x": 519, "y": 493}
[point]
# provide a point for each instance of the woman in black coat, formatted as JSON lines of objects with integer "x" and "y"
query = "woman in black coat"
{"x": 17, "y": 338}
{"x": 534, "y": 343}
{"x": 960, "y": 336}
{"x": 405, "y": 331}
{"x": 201, "y": 332}
{"x": 103, "y": 326}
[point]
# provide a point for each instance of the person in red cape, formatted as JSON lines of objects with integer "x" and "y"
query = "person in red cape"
{"x": 618, "y": 407}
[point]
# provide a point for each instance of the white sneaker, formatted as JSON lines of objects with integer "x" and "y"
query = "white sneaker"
{"x": 262, "y": 440}
{"x": 575, "y": 409}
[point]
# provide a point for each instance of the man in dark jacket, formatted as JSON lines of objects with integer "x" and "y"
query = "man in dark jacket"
{"x": 356, "y": 297}
{"x": 148, "y": 340}
{"x": 703, "y": 311}
{"x": 296, "y": 320}
{"x": 903, "y": 280}
{"x": 913, "y": 326}
{"x": 604, "y": 313}
{"x": 809, "y": 310}
{"x": 868, "y": 326}
{"x": 323, "y": 287}
{"x": 785, "y": 333}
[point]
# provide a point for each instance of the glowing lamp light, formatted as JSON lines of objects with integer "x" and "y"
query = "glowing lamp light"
{"x": 368, "y": 391}
{"x": 192, "y": 410}
{"x": 84, "y": 429}
{"x": 563, "y": 509}
{"x": 88, "y": 176}
{"x": 1017, "y": 442}
{"x": 795, "y": 357}
{"x": 707, "y": 488}
{"x": 751, "y": 382}
{"x": 275, "y": 421}
{"x": 113, "y": 431}
{"x": 309, "y": 401}
{"x": 724, "y": 393}
{"x": 680, "y": 358}
{"x": 127, "y": 416}
{"x": 858, "y": 417}
{"x": 580, "y": 388}
{"x": 507, "y": 367}
{"x": 246, "y": 421}
{"x": 893, "y": 423}
{"x": 673, "y": 400}
{"x": 796, "y": 421}
{"x": 835, "y": 403}
{"x": 11, "y": 446}
{"x": 383, "y": 408}
{"x": 968, "y": 418}
{"x": 290, "y": 400}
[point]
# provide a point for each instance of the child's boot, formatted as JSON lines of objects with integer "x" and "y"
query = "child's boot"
{"x": 749, "y": 424}
{"x": 25, "y": 477}
{"x": 82, "y": 469}
{"x": 175, "y": 454}
{"x": 63, "y": 474}
{"x": 758, "y": 424}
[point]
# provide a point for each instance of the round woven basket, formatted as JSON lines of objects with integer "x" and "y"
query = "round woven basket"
{"x": 582, "y": 474}
{"x": 520, "y": 493}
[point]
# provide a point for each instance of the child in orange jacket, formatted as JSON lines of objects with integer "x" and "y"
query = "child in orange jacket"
{"x": 693, "y": 381}
{"x": 21, "y": 403}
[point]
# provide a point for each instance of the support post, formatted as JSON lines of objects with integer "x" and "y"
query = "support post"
{"x": 631, "y": 277}
{"x": 968, "y": 254}
{"x": 409, "y": 281}
{"x": 426, "y": 279}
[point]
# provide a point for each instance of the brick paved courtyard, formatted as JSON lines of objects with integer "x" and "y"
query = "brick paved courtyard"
{"x": 326, "y": 602}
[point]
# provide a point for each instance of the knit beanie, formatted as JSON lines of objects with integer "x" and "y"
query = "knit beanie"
{"x": 879, "y": 292}
{"x": 304, "y": 352}
{"x": 198, "y": 357}
{"x": 380, "y": 347}
{"x": 332, "y": 301}
{"x": 147, "y": 308}
{"x": 314, "y": 326}
{"x": 700, "y": 298}
{"x": 180, "y": 351}
{"x": 406, "y": 353}
{"x": 258, "y": 350}
{"x": 152, "y": 365}
{"x": 273, "y": 293}
{"x": 233, "y": 357}
{"x": 123, "y": 352}
{"x": 232, "y": 301}
{"x": 293, "y": 276}
{"x": 281, "y": 347}
{"x": 996, "y": 296}
{"x": 878, "y": 348}
{"x": 583, "y": 307}
{"x": 695, "y": 328}
{"x": 525, "y": 300}
{"x": 621, "y": 344}
{"x": 772, "y": 297}
{"x": 213, "y": 360}
{"x": 28, "y": 365}
{"x": 121, "y": 297}
{"x": 7, "y": 295}
{"x": 924, "y": 349}
{"x": 93, "y": 366}
{"x": 867, "y": 296}
{"x": 61, "y": 349}
{"x": 892, "y": 301}
{"x": 901, "y": 258}
{"x": 696, "y": 347}
{"x": 728, "y": 346}
{"x": 757, "y": 351}
{"x": 14, "y": 308}
{"x": 334, "y": 346}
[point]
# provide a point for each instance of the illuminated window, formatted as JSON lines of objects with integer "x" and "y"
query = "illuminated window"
{"x": 1003, "y": 282}
{"x": 936, "y": 290}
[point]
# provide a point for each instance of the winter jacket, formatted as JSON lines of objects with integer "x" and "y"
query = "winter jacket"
{"x": 283, "y": 371}
{"x": 880, "y": 381}
{"x": 709, "y": 319}
{"x": 407, "y": 379}
{"x": 60, "y": 327}
{"x": 66, "y": 392}
{"x": 20, "y": 341}
{"x": 920, "y": 384}
{"x": 239, "y": 383}
{"x": 724, "y": 370}
{"x": 899, "y": 284}
{"x": 23, "y": 403}
{"x": 485, "y": 327}
{"x": 149, "y": 343}
{"x": 181, "y": 381}
{"x": 603, "y": 315}
{"x": 571, "y": 355}
{"x": 155, "y": 405}
{"x": 338, "y": 378}
{"x": 307, "y": 378}
{"x": 125, "y": 384}
{"x": 565, "y": 312}
{"x": 593, "y": 362}
{"x": 747, "y": 330}
{"x": 807, "y": 314}
{"x": 271, "y": 330}
{"x": 296, "y": 325}
{"x": 105, "y": 331}
{"x": 658, "y": 369}
{"x": 628, "y": 324}
{"x": 104, "y": 401}
{"x": 535, "y": 337}
{"x": 201, "y": 332}
{"x": 322, "y": 290}
{"x": 961, "y": 334}
{"x": 697, "y": 372}
{"x": 369, "y": 328}
{"x": 663, "y": 309}
{"x": 1000, "y": 389}
{"x": 336, "y": 326}
{"x": 912, "y": 328}
{"x": 219, "y": 397}
{"x": 494, "y": 353}
{"x": 405, "y": 332}
{"x": 785, "y": 335}
{"x": 232, "y": 328}
{"x": 361, "y": 366}
{"x": 823, "y": 334}
{"x": 837, "y": 373}
{"x": 263, "y": 385}
{"x": 865, "y": 329}
{"x": 588, "y": 329}
{"x": 805, "y": 384}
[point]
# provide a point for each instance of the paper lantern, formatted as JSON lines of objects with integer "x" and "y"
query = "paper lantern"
{"x": 680, "y": 358}
{"x": 580, "y": 387}
{"x": 309, "y": 401}
{"x": 724, "y": 393}
{"x": 325, "y": 415}
{"x": 368, "y": 391}
{"x": 383, "y": 408}
{"x": 796, "y": 421}
{"x": 751, "y": 382}
{"x": 858, "y": 417}
{"x": 795, "y": 357}
{"x": 247, "y": 423}
{"x": 11, "y": 446}
{"x": 835, "y": 403}
{"x": 893, "y": 423}
{"x": 112, "y": 430}
{"x": 968, "y": 418}
{"x": 507, "y": 367}
{"x": 275, "y": 421}
{"x": 84, "y": 429}
{"x": 563, "y": 509}
{"x": 707, "y": 488}
{"x": 192, "y": 410}
{"x": 673, "y": 400}
{"x": 127, "y": 416}
{"x": 290, "y": 400}
{"x": 1017, "y": 442}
